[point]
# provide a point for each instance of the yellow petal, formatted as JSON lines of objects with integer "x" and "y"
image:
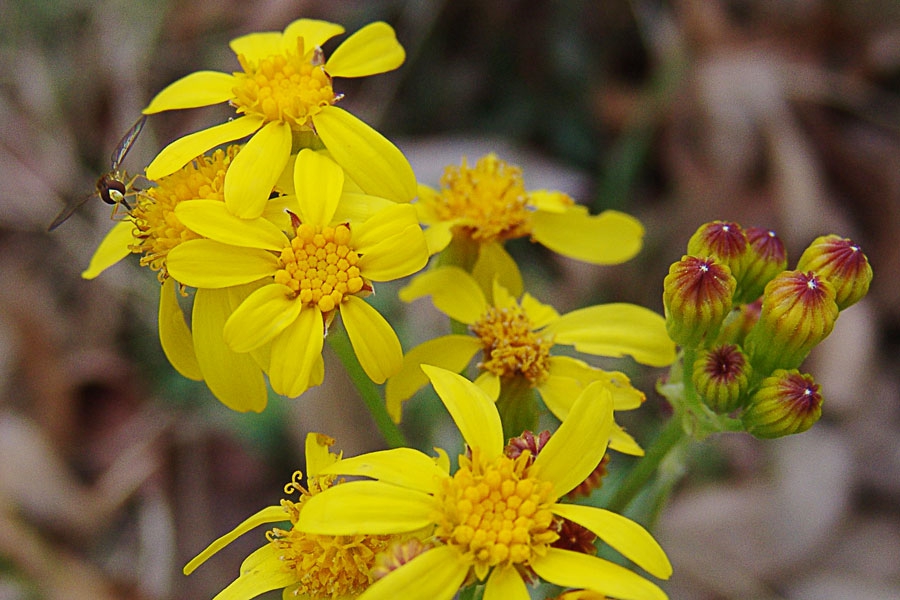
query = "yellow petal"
{"x": 174, "y": 336}
{"x": 451, "y": 352}
{"x": 255, "y": 169}
{"x": 314, "y": 33}
{"x": 113, "y": 248}
{"x": 609, "y": 238}
{"x": 369, "y": 158}
{"x": 211, "y": 264}
{"x": 202, "y": 88}
{"x": 559, "y": 394}
{"x": 261, "y": 572}
{"x": 579, "y": 443}
{"x": 297, "y": 353}
{"x": 317, "y": 451}
{"x": 211, "y": 219}
{"x": 371, "y": 50}
{"x": 452, "y": 291}
{"x": 263, "y": 315}
{"x": 539, "y": 314}
{"x": 318, "y": 182}
{"x": 270, "y": 514}
{"x": 490, "y": 383}
{"x": 617, "y": 329}
{"x": 472, "y": 410}
{"x": 256, "y": 46}
{"x": 187, "y": 148}
{"x": 438, "y": 236}
{"x": 374, "y": 341}
{"x": 574, "y": 569}
{"x": 505, "y": 583}
{"x": 405, "y": 467}
{"x": 552, "y": 201}
{"x": 495, "y": 263}
{"x": 625, "y": 396}
{"x": 358, "y": 208}
{"x": 366, "y": 507}
{"x": 235, "y": 379}
{"x": 401, "y": 252}
{"x": 436, "y": 574}
{"x": 621, "y": 441}
{"x": 627, "y": 537}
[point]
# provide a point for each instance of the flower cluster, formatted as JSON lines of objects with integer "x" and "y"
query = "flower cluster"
{"x": 746, "y": 324}
{"x": 271, "y": 225}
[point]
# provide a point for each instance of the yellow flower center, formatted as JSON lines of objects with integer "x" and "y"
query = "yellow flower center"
{"x": 157, "y": 229}
{"x": 494, "y": 512}
{"x": 510, "y": 346}
{"x": 291, "y": 87}
{"x": 326, "y": 566}
{"x": 489, "y": 202}
{"x": 320, "y": 266}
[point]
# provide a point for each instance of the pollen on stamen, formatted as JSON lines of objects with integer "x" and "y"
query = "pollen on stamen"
{"x": 320, "y": 267}
{"x": 291, "y": 87}
{"x": 494, "y": 512}
{"x": 511, "y": 347}
{"x": 489, "y": 200}
{"x": 325, "y": 566}
{"x": 157, "y": 229}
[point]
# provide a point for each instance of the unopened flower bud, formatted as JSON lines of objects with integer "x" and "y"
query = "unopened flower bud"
{"x": 787, "y": 402}
{"x": 766, "y": 258}
{"x": 723, "y": 240}
{"x": 721, "y": 376}
{"x": 739, "y": 323}
{"x": 697, "y": 296}
{"x": 798, "y": 312}
{"x": 841, "y": 262}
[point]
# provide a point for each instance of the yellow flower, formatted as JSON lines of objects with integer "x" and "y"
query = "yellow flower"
{"x": 516, "y": 337}
{"x": 153, "y": 230}
{"x": 285, "y": 97}
{"x": 485, "y": 205}
{"x": 494, "y": 517}
{"x": 326, "y": 266}
{"x": 305, "y": 565}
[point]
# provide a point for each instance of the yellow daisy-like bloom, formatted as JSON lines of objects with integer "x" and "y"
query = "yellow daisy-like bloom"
{"x": 153, "y": 230}
{"x": 326, "y": 266}
{"x": 485, "y": 205}
{"x": 283, "y": 92}
{"x": 515, "y": 338}
{"x": 493, "y": 518}
{"x": 304, "y": 565}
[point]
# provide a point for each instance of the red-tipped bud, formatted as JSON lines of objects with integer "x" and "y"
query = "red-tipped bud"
{"x": 574, "y": 537}
{"x": 766, "y": 258}
{"x": 723, "y": 240}
{"x": 526, "y": 441}
{"x": 788, "y": 402}
{"x": 798, "y": 312}
{"x": 739, "y": 323}
{"x": 697, "y": 295}
{"x": 721, "y": 376}
{"x": 841, "y": 262}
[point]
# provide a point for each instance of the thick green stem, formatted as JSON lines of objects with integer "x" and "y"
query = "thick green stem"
{"x": 340, "y": 343}
{"x": 645, "y": 469}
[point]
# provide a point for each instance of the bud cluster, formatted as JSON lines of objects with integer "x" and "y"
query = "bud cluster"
{"x": 746, "y": 323}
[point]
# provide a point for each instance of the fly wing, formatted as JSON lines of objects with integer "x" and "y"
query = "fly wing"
{"x": 68, "y": 210}
{"x": 125, "y": 143}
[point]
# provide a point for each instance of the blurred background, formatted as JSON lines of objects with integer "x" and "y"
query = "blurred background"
{"x": 114, "y": 470}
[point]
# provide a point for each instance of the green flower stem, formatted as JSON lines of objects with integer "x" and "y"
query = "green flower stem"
{"x": 645, "y": 469}
{"x": 368, "y": 390}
